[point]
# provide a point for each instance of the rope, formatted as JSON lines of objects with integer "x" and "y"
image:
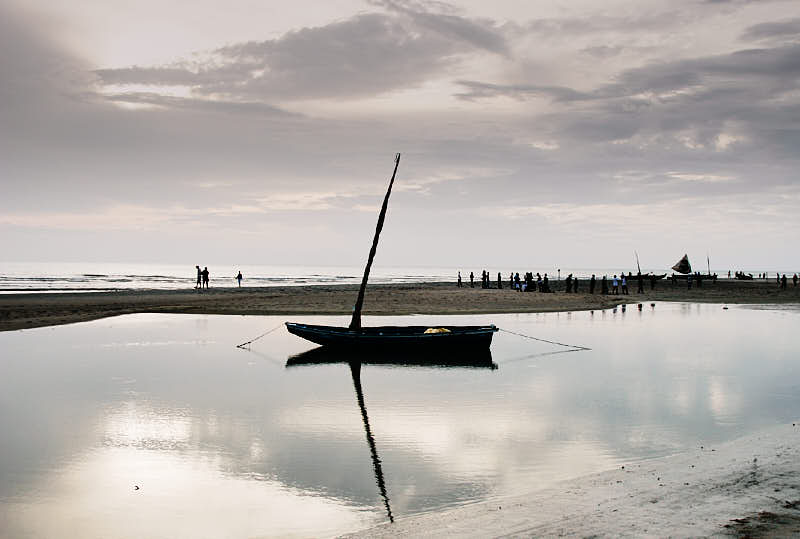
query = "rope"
{"x": 576, "y": 347}
{"x": 262, "y": 335}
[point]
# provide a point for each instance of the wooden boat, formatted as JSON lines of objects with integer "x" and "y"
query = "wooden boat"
{"x": 389, "y": 337}
{"x": 646, "y": 276}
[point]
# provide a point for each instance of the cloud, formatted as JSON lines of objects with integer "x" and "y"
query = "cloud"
{"x": 364, "y": 55}
{"x": 770, "y": 31}
{"x": 478, "y": 90}
{"x": 200, "y": 105}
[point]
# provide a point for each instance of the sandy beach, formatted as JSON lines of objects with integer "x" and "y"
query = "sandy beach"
{"x": 748, "y": 487}
{"x": 21, "y": 311}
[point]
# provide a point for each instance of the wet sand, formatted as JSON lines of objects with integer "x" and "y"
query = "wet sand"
{"x": 21, "y": 311}
{"x": 748, "y": 487}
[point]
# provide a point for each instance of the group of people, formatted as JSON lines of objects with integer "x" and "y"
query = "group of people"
{"x": 572, "y": 284}
{"x": 202, "y": 278}
{"x": 782, "y": 281}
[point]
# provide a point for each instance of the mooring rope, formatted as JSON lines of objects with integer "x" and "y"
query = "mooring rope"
{"x": 262, "y": 335}
{"x": 575, "y": 346}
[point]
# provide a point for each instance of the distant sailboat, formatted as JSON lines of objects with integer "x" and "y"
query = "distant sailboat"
{"x": 388, "y": 337}
{"x": 683, "y": 265}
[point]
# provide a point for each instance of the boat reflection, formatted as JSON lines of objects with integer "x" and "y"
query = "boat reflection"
{"x": 481, "y": 359}
{"x": 478, "y": 359}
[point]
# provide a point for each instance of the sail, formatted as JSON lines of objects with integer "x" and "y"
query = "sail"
{"x": 683, "y": 266}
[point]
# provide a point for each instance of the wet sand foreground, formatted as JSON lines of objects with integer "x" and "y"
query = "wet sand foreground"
{"x": 748, "y": 487}
{"x": 29, "y": 310}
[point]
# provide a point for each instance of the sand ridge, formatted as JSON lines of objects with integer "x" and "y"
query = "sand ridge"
{"x": 21, "y": 311}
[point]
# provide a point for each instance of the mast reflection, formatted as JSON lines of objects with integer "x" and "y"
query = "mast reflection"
{"x": 355, "y": 371}
{"x": 324, "y": 356}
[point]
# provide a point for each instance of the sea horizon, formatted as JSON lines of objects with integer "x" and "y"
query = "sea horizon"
{"x": 21, "y": 277}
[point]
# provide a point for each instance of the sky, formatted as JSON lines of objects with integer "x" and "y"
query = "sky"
{"x": 532, "y": 133}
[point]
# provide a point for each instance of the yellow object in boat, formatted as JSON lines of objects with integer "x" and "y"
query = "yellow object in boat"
{"x": 437, "y": 330}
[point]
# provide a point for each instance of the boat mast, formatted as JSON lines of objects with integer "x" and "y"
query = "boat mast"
{"x": 355, "y": 323}
{"x": 637, "y": 262}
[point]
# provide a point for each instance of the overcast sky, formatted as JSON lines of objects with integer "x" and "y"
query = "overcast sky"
{"x": 533, "y": 133}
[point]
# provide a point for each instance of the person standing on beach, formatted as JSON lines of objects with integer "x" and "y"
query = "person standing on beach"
{"x": 615, "y": 286}
{"x": 459, "y": 280}
{"x": 640, "y": 280}
{"x": 575, "y": 284}
{"x": 205, "y": 276}
{"x": 624, "y": 284}
{"x": 239, "y": 278}
{"x": 591, "y": 284}
{"x": 499, "y": 281}
{"x": 199, "y": 277}
{"x": 604, "y": 286}
{"x": 783, "y": 282}
{"x": 471, "y": 280}
{"x": 794, "y": 279}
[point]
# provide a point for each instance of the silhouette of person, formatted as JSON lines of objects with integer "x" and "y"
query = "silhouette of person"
{"x": 575, "y": 284}
{"x": 239, "y": 278}
{"x": 794, "y": 279}
{"x": 199, "y": 277}
{"x": 499, "y": 281}
{"x": 640, "y": 282}
{"x": 592, "y": 283}
{"x": 604, "y": 286}
{"x": 615, "y": 286}
{"x": 459, "y": 280}
{"x": 205, "y": 276}
{"x": 783, "y": 282}
{"x": 471, "y": 280}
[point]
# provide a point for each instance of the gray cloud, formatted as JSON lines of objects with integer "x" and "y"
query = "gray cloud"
{"x": 780, "y": 30}
{"x": 364, "y": 55}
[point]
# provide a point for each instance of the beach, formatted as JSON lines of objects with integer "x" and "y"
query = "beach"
{"x": 29, "y": 310}
{"x": 749, "y": 487}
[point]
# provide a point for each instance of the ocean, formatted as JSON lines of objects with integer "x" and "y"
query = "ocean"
{"x": 21, "y": 277}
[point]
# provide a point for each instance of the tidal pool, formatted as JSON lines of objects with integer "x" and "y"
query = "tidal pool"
{"x": 158, "y": 426}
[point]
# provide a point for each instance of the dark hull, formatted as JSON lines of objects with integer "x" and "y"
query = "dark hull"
{"x": 393, "y": 337}
{"x": 645, "y": 276}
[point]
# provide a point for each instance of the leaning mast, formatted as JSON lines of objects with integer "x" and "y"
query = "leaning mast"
{"x": 355, "y": 323}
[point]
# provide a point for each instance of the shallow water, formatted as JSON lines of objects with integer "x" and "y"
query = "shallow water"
{"x": 224, "y": 442}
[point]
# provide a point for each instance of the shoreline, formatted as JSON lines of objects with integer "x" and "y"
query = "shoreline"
{"x": 31, "y": 310}
{"x": 748, "y": 487}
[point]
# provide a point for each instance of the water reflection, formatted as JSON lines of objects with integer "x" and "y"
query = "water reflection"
{"x": 476, "y": 359}
{"x": 247, "y": 443}
{"x": 439, "y": 359}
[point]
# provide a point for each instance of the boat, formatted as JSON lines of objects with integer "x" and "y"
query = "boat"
{"x": 646, "y": 276}
{"x": 683, "y": 266}
{"x": 404, "y": 337}
{"x": 388, "y": 337}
